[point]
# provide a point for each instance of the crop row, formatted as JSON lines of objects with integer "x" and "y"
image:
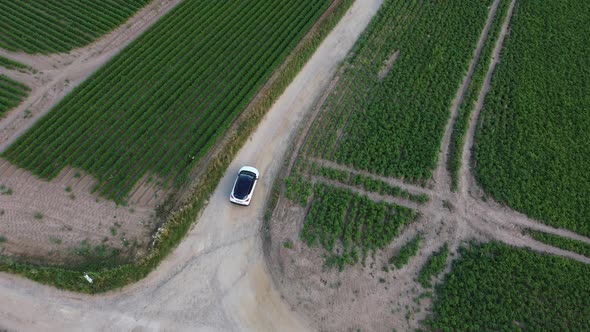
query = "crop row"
{"x": 12, "y": 93}
{"x": 10, "y": 64}
{"x": 408, "y": 250}
{"x": 531, "y": 147}
{"x": 161, "y": 103}
{"x": 433, "y": 266}
{"x": 349, "y": 226}
{"x": 494, "y": 287}
{"x": 53, "y": 26}
{"x": 393, "y": 126}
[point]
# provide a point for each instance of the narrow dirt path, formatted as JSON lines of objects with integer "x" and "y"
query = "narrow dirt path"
{"x": 466, "y": 180}
{"x": 411, "y": 188}
{"x": 441, "y": 175}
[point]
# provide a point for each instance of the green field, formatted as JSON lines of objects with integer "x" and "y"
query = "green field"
{"x": 12, "y": 93}
{"x": 159, "y": 105}
{"x": 532, "y": 148}
{"x": 392, "y": 123}
{"x": 55, "y": 26}
{"x": 494, "y": 287}
{"x": 351, "y": 226}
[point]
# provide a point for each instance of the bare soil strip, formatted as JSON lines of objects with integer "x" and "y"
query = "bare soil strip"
{"x": 387, "y": 65}
{"x": 412, "y": 188}
{"x": 376, "y": 197}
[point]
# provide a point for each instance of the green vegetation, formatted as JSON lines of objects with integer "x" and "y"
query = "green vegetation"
{"x": 2, "y": 238}
{"x": 288, "y": 244}
{"x": 470, "y": 98}
{"x": 348, "y": 225}
{"x": 55, "y": 240}
{"x": 407, "y": 251}
{"x": 393, "y": 126}
{"x": 96, "y": 257}
{"x": 12, "y": 93}
{"x": 298, "y": 189}
{"x": 493, "y": 287}
{"x": 161, "y": 104}
{"x": 179, "y": 222}
{"x": 579, "y": 247}
{"x": 54, "y": 26}
{"x": 4, "y": 190}
{"x": 531, "y": 151}
{"x": 330, "y": 173}
{"x": 433, "y": 266}
{"x": 10, "y": 64}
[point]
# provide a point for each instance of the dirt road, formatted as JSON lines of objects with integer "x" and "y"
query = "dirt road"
{"x": 216, "y": 280}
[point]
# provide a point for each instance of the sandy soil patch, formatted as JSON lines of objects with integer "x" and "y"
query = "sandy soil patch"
{"x": 50, "y": 222}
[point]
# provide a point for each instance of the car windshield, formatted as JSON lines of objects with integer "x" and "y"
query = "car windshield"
{"x": 244, "y": 185}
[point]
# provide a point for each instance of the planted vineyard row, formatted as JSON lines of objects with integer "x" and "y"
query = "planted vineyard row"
{"x": 53, "y": 26}
{"x": 433, "y": 266}
{"x": 11, "y": 94}
{"x": 392, "y": 124}
{"x": 159, "y": 105}
{"x": 10, "y": 64}
{"x": 494, "y": 287}
{"x": 531, "y": 150}
{"x": 350, "y": 226}
{"x": 406, "y": 252}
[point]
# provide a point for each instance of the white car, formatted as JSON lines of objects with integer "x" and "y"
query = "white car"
{"x": 244, "y": 186}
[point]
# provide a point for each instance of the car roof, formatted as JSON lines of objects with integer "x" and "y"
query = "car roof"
{"x": 244, "y": 184}
{"x": 250, "y": 169}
